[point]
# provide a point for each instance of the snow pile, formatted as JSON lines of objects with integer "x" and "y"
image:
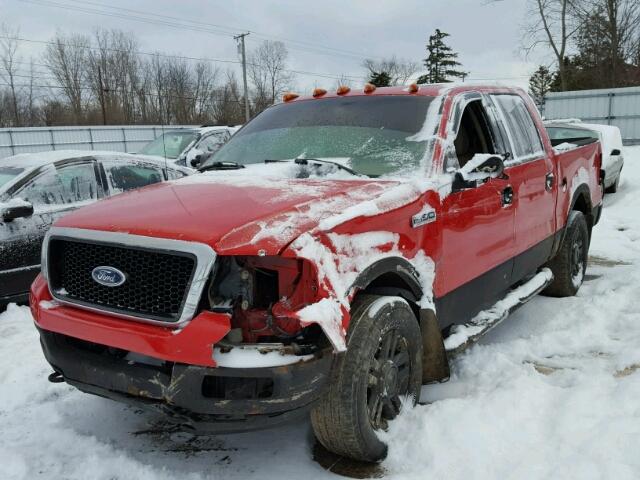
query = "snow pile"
{"x": 564, "y": 147}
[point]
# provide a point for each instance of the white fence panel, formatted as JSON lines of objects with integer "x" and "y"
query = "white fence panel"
{"x": 127, "y": 138}
{"x": 615, "y": 106}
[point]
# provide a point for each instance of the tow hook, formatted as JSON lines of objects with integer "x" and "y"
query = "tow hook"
{"x": 55, "y": 377}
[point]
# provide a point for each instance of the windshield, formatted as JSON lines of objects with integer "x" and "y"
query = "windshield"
{"x": 9, "y": 173}
{"x": 371, "y": 135}
{"x": 173, "y": 143}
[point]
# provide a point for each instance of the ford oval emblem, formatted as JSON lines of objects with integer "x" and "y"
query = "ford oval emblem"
{"x": 108, "y": 276}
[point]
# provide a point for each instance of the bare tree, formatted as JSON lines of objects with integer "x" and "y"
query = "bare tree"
{"x": 66, "y": 58}
{"x": 9, "y": 63}
{"x": 268, "y": 73}
{"x": 398, "y": 69}
{"x": 343, "y": 80}
{"x": 618, "y": 29}
{"x": 228, "y": 102}
{"x": 551, "y": 23}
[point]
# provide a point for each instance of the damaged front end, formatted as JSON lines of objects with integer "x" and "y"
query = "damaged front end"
{"x": 264, "y": 367}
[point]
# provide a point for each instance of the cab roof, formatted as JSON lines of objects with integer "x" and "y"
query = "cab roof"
{"x": 425, "y": 90}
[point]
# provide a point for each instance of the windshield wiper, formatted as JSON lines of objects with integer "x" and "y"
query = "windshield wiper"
{"x": 221, "y": 166}
{"x": 305, "y": 161}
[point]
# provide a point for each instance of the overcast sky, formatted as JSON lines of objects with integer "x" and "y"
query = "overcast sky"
{"x": 487, "y": 36}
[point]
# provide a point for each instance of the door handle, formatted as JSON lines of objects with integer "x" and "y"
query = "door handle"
{"x": 549, "y": 179}
{"x": 507, "y": 196}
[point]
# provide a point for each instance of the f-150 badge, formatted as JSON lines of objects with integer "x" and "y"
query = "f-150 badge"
{"x": 427, "y": 215}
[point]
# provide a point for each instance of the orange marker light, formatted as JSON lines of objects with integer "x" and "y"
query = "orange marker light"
{"x": 343, "y": 90}
{"x": 413, "y": 88}
{"x": 287, "y": 97}
{"x": 369, "y": 88}
{"x": 318, "y": 92}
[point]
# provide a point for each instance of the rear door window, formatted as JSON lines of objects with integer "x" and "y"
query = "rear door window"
{"x": 521, "y": 129}
{"x": 123, "y": 177}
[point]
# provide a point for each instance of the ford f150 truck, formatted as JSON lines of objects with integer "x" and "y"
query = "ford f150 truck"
{"x": 330, "y": 258}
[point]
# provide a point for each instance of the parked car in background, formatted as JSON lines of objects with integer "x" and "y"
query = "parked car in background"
{"x": 189, "y": 147}
{"x": 38, "y": 188}
{"x": 577, "y": 133}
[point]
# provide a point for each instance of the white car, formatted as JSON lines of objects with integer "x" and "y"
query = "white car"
{"x": 575, "y": 132}
{"x": 189, "y": 147}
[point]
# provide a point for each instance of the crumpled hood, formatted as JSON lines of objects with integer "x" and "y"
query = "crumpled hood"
{"x": 233, "y": 214}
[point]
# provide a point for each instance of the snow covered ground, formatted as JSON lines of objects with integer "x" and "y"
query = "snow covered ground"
{"x": 553, "y": 392}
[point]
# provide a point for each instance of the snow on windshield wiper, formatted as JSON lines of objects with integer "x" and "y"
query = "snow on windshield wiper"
{"x": 221, "y": 166}
{"x": 305, "y": 161}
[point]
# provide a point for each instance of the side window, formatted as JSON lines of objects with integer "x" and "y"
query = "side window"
{"x": 211, "y": 143}
{"x": 474, "y": 135}
{"x": 519, "y": 123}
{"x": 61, "y": 186}
{"x": 123, "y": 177}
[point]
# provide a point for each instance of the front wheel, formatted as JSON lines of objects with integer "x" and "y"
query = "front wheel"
{"x": 370, "y": 381}
{"x": 570, "y": 263}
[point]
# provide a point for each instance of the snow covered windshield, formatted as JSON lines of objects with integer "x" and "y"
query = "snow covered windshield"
{"x": 173, "y": 143}
{"x": 9, "y": 173}
{"x": 371, "y": 135}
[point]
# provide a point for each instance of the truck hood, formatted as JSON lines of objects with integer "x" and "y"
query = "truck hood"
{"x": 238, "y": 214}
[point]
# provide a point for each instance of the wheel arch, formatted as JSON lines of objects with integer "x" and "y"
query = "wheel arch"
{"x": 396, "y": 276}
{"x": 581, "y": 201}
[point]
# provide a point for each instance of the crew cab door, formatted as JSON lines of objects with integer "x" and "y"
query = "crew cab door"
{"x": 477, "y": 223}
{"x": 532, "y": 177}
{"x": 53, "y": 191}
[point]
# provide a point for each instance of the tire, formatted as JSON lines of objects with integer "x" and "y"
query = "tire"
{"x": 570, "y": 263}
{"x": 363, "y": 382}
{"x": 613, "y": 188}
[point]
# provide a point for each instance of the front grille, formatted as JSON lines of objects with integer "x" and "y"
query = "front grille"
{"x": 156, "y": 286}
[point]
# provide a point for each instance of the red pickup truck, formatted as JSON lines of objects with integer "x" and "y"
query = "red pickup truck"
{"x": 329, "y": 258}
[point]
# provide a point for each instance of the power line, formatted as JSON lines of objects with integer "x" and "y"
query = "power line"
{"x": 196, "y": 25}
{"x": 177, "y": 57}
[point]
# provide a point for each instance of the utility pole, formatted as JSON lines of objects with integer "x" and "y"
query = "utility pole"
{"x": 104, "y": 109}
{"x": 247, "y": 113}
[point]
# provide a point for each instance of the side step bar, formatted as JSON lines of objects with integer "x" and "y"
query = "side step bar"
{"x": 463, "y": 336}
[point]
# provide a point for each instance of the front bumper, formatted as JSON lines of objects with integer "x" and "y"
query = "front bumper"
{"x": 216, "y": 400}
{"x": 173, "y": 371}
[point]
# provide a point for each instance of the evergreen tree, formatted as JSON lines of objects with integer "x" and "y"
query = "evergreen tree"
{"x": 380, "y": 79}
{"x": 441, "y": 62}
{"x": 540, "y": 84}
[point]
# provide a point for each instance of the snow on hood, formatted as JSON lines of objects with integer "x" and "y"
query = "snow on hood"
{"x": 240, "y": 212}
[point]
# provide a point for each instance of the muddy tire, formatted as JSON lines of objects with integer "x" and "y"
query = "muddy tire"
{"x": 570, "y": 263}
{"x": 382, "y": 365}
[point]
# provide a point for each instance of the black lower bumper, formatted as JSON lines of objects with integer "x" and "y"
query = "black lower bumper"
{"x": 217, "y": 400}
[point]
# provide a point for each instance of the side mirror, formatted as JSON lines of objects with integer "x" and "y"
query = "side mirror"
{"x": 479, "y": 169}
{"x": 200, "y": 158}
{"x": 196, "y": 161}
{"x": 13, "y": 210}
{"x": 615, "y": 151}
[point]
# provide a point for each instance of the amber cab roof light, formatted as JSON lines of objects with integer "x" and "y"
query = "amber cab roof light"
{"x": 318, "y": 92}
{"x": 287, "y": 97}
{"x": 413, "y": 88}
{"x": 343, "y": 90}
{"x": 369, "y": 88}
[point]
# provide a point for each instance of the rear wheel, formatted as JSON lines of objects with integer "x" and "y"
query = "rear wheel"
{"x": 570, "y": 263}
{"x": 369, "y": 382}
